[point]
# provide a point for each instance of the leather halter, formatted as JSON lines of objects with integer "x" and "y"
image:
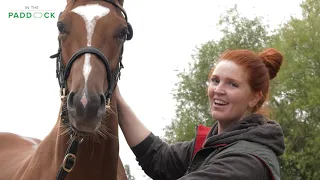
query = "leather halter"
{"x": 62, "y": 73}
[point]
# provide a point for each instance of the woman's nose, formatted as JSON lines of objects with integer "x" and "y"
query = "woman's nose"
{"x": 219, "y": 89}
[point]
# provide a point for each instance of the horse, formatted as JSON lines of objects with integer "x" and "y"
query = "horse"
{"x": 83, "y": 144}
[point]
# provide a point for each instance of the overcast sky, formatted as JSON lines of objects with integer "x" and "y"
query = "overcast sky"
{"x": 165, "y": 36}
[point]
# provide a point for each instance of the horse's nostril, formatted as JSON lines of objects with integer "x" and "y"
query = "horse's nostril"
{"x": 70, "y": 99}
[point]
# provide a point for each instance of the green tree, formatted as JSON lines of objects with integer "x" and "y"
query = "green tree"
{"x": 128, "y": 172}
{"x": 190, "y": 93}
{"x": 296, "y": 94}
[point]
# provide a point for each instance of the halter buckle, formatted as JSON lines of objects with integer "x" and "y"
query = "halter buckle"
{"x": 66, "y": 158}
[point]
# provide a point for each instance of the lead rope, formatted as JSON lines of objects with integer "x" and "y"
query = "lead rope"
{"x": 69, "y": 159}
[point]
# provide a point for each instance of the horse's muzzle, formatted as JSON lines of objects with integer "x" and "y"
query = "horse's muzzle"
{"x": 86, "y": 111}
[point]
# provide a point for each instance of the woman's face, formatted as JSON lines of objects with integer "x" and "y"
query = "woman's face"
{"x": 229, "y": 93}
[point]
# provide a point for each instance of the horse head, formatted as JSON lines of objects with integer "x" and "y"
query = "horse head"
{"x": 89, "y": 60}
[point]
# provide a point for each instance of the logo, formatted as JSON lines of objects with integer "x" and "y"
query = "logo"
{"x": 31, "y": 12}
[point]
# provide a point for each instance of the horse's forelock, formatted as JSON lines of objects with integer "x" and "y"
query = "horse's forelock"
{"x": 120, "y": 2}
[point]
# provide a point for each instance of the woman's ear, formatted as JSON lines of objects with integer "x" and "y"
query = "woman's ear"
{"x": 255, "y": 99}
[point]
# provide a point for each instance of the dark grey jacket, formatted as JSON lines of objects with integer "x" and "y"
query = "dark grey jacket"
{"x": 229, "y": 155}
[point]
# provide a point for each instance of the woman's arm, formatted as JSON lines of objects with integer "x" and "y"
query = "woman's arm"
{"x": 158, "y": 159}
{"x": 133, "y": 130}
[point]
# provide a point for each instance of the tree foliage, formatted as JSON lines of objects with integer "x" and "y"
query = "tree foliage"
{"x": 295, "y": 94}
{"x": 128, "y": 172}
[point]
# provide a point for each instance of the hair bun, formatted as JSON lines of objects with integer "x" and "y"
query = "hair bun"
{"x": 272, "y": 58}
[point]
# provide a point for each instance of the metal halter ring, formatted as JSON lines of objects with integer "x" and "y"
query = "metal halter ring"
{"x": 65, "y": 160}
{"x": 108, "y": 104}
{"x": 62, "y": 93}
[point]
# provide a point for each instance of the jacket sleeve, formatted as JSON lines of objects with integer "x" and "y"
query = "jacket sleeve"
{"x": 162, "y": 161}
{"x": 231, "y": 166}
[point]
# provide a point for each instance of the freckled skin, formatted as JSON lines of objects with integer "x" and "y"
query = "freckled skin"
{"x": 229, "y": 85}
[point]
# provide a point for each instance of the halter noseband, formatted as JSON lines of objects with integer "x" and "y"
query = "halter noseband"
{"x": 62, "y": 73}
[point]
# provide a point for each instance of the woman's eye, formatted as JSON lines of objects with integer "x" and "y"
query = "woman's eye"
{"x": 233, "y": 84}
{"x": 215, "y": 80}
{"x": 61, "y": 27}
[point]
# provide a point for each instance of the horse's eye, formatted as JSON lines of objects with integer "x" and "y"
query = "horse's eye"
{"x": 123, "y": 34}
{"x": 61, "y": 27}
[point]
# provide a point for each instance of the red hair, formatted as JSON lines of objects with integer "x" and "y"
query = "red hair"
{"x": 261, "y": 68}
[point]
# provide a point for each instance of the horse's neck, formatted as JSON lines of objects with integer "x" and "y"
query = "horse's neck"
{"x": 95, "y": 158}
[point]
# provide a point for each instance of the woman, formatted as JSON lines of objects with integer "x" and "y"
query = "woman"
{"x": 243, "y": 144}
